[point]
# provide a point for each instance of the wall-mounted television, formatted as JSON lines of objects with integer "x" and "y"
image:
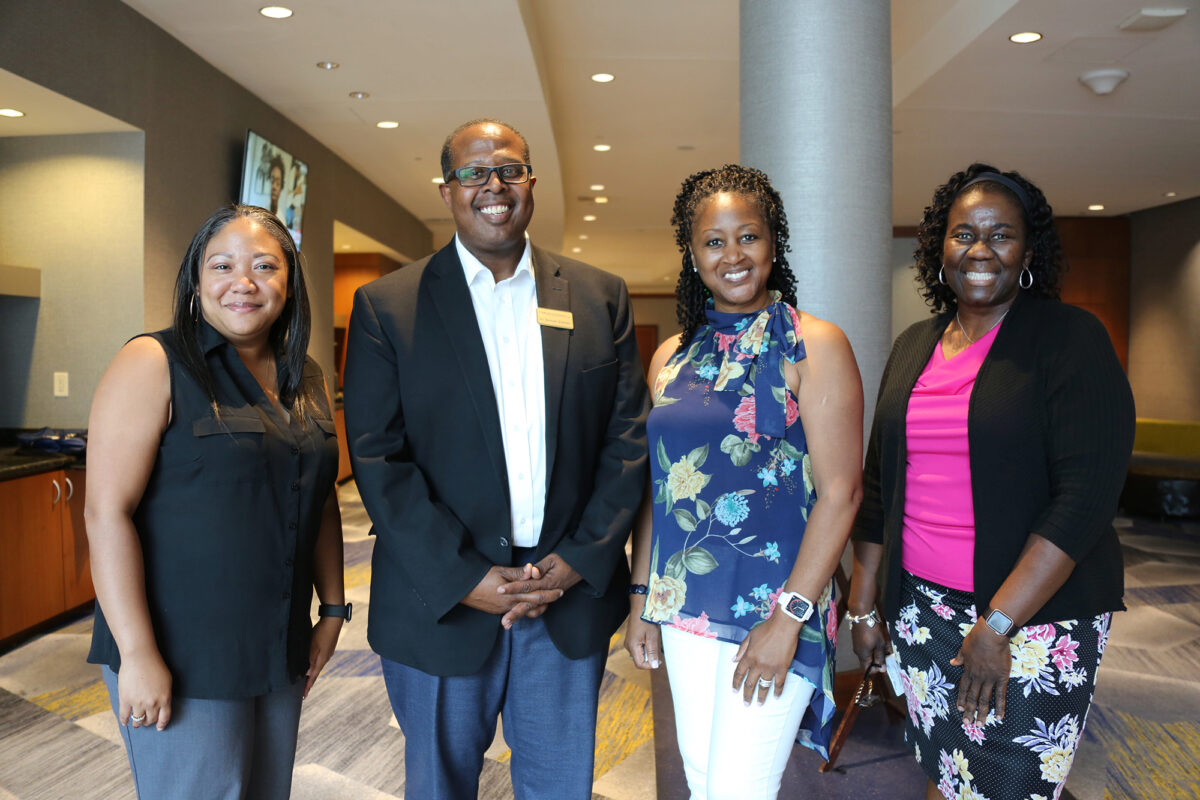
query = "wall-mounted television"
{"x": 276, "y": 180}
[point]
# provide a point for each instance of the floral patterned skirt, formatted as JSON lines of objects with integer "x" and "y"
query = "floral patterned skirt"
{"x": 1028, "y": 755}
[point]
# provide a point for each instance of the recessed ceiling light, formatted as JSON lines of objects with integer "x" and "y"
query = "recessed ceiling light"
{"x": 1095, "y": 207}
{"x": 589, "y": 218}
{"x": 600, "y": 199}
{"x": 345, "y": 247}
{"x": 275, "y": 12}
{"x": 327, "y": 65}
{"x": 597, "y": 187}
{"x": 1025, "y": 37}
{"x": 360, "y": 95}
{"x": 576, "y": 249}
{"x": 1165, "y": 194}
{"x": 439, "y": 181}
{"x": 583, "y": 236}
{"x": 387, "y": 123}
{"x": 11, "y": 112}
{"x": 602, "y": 77}
{"x": 602, "y": 148}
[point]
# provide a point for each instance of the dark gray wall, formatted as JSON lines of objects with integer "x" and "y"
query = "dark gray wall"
{"x": 1164, "y": 311}
{"x": 105, "y": 55}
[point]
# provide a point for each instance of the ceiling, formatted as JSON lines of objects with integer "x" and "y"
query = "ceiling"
{"x": 961, "y": 92}
{"x": 48, "y": 113}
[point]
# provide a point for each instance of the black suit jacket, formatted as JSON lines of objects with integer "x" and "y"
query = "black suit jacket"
{"x": 425, "y": 440}
{"x": 1050, "y": 429}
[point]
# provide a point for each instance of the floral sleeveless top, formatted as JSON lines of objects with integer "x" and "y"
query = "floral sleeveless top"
{"x": 732, "y": 492}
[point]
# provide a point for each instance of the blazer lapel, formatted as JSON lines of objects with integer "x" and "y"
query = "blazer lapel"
{"x": 554, "y": 292}
{"x": 447, "y": 288}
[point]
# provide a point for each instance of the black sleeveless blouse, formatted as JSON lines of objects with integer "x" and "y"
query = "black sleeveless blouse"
{"x": 227, "y": 524}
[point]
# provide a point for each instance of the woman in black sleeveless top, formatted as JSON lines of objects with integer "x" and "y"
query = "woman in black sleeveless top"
{"x": 211, "y": 516}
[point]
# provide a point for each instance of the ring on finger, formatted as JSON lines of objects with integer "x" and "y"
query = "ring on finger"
{"x": 137, "y": 718}
{"x": 765, "y": 683}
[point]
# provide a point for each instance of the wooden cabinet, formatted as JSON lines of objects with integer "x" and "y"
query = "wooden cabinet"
{"x": 44, "y": 565}
{"x": 76, "y": 564}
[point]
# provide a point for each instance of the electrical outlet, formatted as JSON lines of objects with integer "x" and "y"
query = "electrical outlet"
{"x": 61, "y": 386}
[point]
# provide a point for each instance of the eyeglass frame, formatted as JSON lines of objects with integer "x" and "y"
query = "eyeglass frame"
{"x": 490, "y": 171}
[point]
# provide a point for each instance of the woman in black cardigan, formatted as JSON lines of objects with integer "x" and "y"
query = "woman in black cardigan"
{"x": 1002, "y": 432}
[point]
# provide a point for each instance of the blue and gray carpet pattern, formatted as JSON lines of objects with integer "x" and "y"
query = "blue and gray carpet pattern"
{"x": 58, "y": 737}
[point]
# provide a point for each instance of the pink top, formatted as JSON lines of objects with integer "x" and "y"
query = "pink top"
{"x": 939, "y": 512}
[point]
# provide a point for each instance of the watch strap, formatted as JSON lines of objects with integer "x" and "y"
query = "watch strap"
{"x": 331, "y": 610}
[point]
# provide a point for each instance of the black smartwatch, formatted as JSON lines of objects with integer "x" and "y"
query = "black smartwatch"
{"x": 326, "y": 610}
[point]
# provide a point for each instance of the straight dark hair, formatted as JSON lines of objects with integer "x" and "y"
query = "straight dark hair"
{"x": 288, "y": 337}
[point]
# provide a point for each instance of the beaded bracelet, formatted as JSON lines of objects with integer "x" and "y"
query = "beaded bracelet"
{"x": 638, "y": 588}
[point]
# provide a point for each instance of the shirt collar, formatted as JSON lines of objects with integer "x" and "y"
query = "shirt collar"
{"x": 208, "y": 337}
{"x": 474, "y": 270}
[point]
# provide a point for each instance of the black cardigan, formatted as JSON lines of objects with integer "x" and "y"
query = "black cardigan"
{"x": 1050, "y": 428}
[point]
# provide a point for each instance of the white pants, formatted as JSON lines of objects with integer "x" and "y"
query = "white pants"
{"x": 729, "y": 750}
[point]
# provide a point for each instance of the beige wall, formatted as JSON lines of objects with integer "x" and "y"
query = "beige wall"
{"x": 70, "y": 206}
{"x": 1164, "y": 311}
{"x": 654, "y": 310}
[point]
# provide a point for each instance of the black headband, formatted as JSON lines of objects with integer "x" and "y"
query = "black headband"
{"x": 1007, "y": 183}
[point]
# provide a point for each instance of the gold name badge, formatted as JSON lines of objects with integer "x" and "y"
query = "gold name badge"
{"x": 553, "y": 318}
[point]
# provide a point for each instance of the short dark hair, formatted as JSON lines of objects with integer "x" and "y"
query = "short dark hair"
{"x": 691, "y": 296}
{"x": 1047, "y": 264}
{"x": 289, "y": 335}
{"x": 448, "y": 157}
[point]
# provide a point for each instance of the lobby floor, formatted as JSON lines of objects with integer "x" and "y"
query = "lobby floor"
{"x": 58, "y": 737}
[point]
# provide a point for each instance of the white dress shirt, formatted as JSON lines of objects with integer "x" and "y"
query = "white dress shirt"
{"x": 507, "y": 316}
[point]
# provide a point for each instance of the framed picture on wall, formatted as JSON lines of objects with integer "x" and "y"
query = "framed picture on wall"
{"x": 275, "y": 180}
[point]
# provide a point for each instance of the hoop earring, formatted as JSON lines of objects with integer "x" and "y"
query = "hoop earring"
{"x": 192, "y": 307}
{"x": 942, "y": 275}
{"x": 1021, "y": 278}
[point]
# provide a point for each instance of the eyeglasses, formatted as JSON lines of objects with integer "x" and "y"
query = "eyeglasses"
{"x": 479, "y": 175}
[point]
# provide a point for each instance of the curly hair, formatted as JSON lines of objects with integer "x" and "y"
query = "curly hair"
{"x": 1047, "y": 264}
{"x": 691, "y": 295}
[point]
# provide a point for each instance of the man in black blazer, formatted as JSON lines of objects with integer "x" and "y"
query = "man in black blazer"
{"x": 495, "y": 411}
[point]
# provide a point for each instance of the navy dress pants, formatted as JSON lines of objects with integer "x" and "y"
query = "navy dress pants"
{"x": 548, "y": 704}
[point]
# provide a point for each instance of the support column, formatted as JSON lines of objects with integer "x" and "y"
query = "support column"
{"x": 816, "y": 116}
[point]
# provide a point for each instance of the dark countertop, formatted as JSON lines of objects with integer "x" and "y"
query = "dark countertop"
{"x": 17, "y": 463}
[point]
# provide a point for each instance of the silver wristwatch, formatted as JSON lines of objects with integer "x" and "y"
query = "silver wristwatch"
{"x": 999, "y": 622}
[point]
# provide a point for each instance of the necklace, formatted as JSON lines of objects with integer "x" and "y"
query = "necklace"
{"x": 985, "y": 333}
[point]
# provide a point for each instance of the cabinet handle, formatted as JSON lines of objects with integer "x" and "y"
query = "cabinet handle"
{"x": 57, "y": 492}
{"x": 70, "y": 488}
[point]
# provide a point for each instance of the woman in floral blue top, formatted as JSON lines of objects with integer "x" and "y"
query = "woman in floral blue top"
{"x": 756, "y": 446}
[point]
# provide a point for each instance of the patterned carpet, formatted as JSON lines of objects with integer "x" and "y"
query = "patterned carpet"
{"x": 58, "y": 738}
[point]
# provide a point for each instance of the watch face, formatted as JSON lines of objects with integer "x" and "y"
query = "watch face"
{"x": 799, "y": 607}
{"x": 1000, "y": 622}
